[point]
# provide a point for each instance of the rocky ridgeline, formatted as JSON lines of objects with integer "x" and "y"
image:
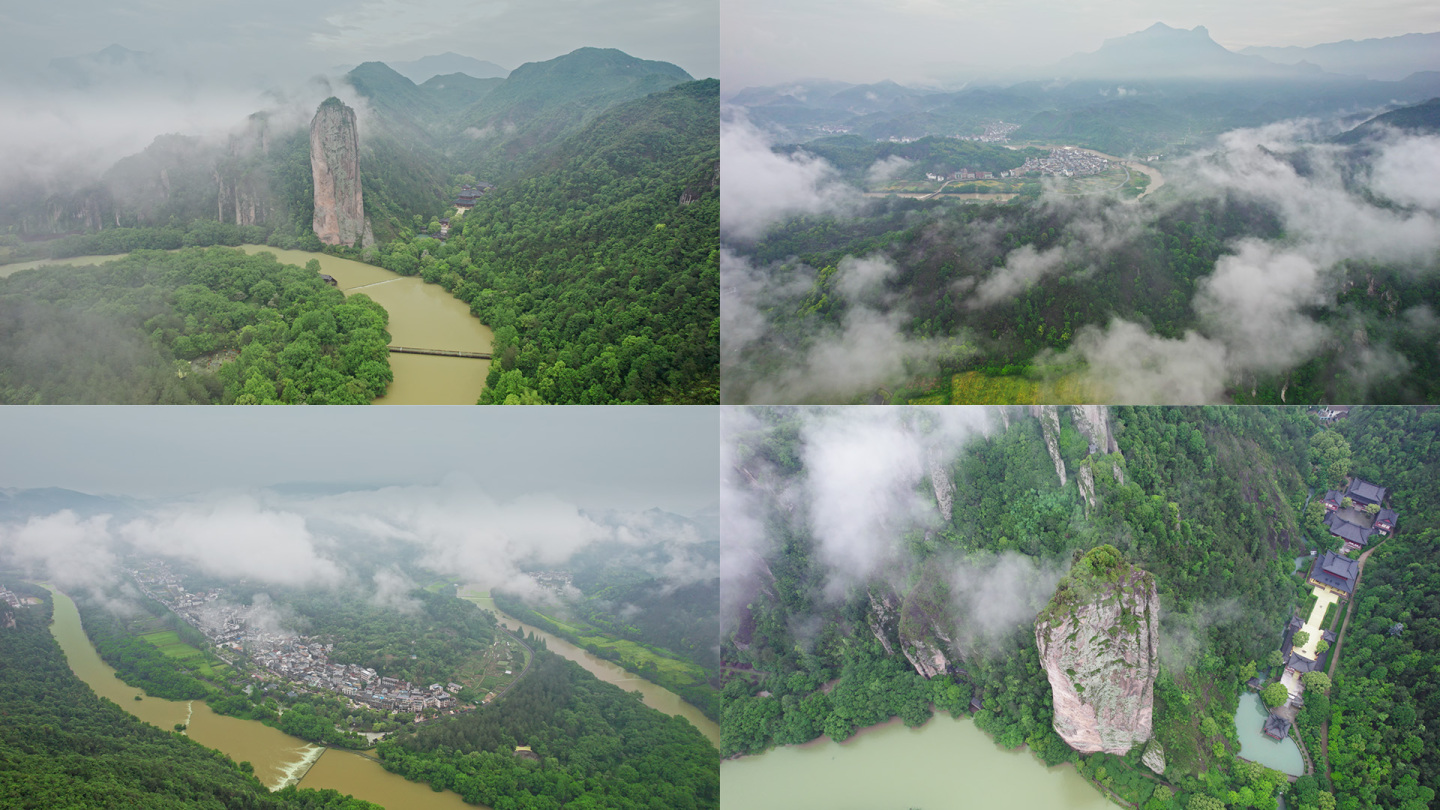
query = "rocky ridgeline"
{"x": 335, "y": 166}
{"x": 1098, "y": 640}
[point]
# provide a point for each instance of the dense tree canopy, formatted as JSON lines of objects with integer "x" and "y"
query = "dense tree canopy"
{"x": 147, "y": 329}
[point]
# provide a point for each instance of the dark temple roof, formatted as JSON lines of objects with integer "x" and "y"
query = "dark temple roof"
{"x": 1337, "y": 571}
{"x": 1365, "y": 491}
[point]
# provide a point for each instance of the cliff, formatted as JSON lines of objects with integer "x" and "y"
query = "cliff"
{"x": 1098, "y": 639}
{"x": 917, "y": 624}
{"x": 335, "y": 166}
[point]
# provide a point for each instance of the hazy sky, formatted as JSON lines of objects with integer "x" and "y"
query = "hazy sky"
{"x": 602, "y": 457}
{"x": 771, "y": 41}
{"x": 282, "y": 37}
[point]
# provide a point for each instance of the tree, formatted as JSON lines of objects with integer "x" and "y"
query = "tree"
{"x": 1316, "y": 681}
{"x": 1372, "y": 509}
{"x": 1275, "y": 659}
{"x": 1300, "y": 639}
{"x": 1274, "y": 695}
{"x": 1322, "y": 646}
{"x": 1202, "y": 802}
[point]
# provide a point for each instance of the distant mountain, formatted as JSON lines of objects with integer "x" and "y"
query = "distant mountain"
{"x": 1385, "y": 59}
{"x": 542, "y": 102}
{"x": 421, "y": 70}
{"x": 1162, "y": 52}
{"x": 113, "y": 65}
{"x": 458, "y": 91}
{"x": 22, "y": 504}
{"x": 1421, "y": 118}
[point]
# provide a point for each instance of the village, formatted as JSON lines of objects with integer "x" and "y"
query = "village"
{"x": 12, "y": 601}
{"x": 1065, "y": 161}
{"x": 299, "y": 662}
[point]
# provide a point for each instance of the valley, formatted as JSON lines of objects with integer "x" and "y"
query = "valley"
{"x": 635, "y": 139}
{"x": 1096, "y": 229}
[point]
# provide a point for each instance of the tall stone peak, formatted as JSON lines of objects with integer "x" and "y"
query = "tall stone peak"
{"x": 335, "y": 167}
{"x": 1099, "y": 643}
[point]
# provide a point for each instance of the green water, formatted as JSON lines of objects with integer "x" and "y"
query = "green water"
{"x": 1283, "y": 756}
{"x": 944, "y": 765}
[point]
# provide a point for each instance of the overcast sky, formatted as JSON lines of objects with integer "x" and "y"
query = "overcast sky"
{"x": 772, "y": 41}
{"x": 628, "y": 458}
{"x": 280, "y": 38}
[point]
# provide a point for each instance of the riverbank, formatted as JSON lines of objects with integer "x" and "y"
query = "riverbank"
{"x": 656, "y": 697}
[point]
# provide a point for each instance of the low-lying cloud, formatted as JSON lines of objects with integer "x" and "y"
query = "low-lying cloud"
{"x": 771, "y": 352}
{"x": 763, "y": 187}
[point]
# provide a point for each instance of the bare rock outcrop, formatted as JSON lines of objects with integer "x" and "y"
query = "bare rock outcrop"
{"x": 335, "y": 166}
{"x": 1094, "y": 422}
{"x": 1086, "y": 480}
{"x": 1098, "y": 640}
{"x": 941, "y": 482}
{"x": 917, "y": 624}
{"x": 1050, "y": 425}
{"x": 1154, "y": 757}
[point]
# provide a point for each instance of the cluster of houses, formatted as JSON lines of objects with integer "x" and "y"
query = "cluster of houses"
{"x": 305, "y": 662}
{"x": 966, "y": 174}
{"x": 556, "y": 581}
{"x": 1357, "y": 514}
{"x": 302, "y": 662}
{"x": 1065, "y": 162}
{"x": 223, "y": 625}
{"x": 1354, "y": 515}
{"x": 12, "y": 601}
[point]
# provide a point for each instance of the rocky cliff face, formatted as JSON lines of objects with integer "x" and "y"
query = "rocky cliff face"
{"x": 1098, "y": 640}
{"x": 917, "y": 624}
{"x": 1094, "y": 422}
{"x": 335, "y": 166}
{"x": 1049, "y": 418}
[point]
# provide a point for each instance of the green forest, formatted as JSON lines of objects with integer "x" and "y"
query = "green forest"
{"x": 639, "y": 644}
{"x": 64, "y": 747}
{"x": 1148, "y": 273}
{"x": 598, "y": 271}
{"x": 1211, "y": 501}
{"x": 197, "y": 326}
{"x": 592, "y": 745}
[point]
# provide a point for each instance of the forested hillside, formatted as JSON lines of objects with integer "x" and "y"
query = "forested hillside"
{"x": 1039, "y": 291}
{"x": 152, "y": 327}
{"x": 1385, "y": 727}
{"x": 1212, "y": 501}
{"x": 64, "y": 747}
{"x": 593, "y": 745}
{"x": 598, "y": 271}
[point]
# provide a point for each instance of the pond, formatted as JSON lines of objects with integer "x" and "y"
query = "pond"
{"x": 1283, "y": 755}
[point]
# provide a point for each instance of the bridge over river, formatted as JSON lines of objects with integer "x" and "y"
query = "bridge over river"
{"x": 440, "y": 352}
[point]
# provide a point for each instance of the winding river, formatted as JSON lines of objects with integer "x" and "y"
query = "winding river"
{"x": 656, "y": 697}
{"x": 422, "y": 316}
{"x": 944, "y": 764}
{"x": 280, "y": 759}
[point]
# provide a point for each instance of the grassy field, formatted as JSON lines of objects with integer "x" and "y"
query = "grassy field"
{"x": 979, "y": 388}
{"x": 637, "y": 655}
{"x": 192, "y": 658}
